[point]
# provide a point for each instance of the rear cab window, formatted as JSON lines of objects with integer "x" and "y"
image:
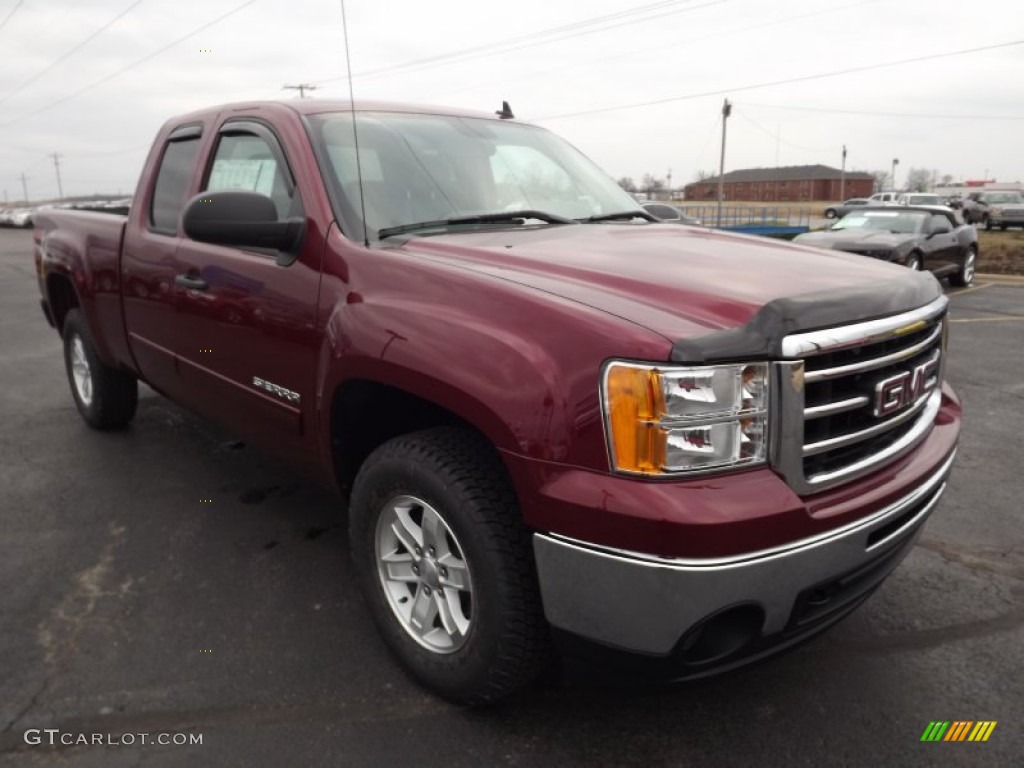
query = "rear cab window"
{"x": 172, "y": 179}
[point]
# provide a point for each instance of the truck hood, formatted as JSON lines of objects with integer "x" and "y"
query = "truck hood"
{"x": 864, "y": 240}
{"x": 686, "y": 282}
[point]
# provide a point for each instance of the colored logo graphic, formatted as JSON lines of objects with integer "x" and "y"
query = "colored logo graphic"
{"x": 958, "y": 730}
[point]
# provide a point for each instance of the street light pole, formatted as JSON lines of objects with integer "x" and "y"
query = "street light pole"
{"x": 895, "y": 162}
{"x": 842, "y": 177}
{"x": 726, "y": 111}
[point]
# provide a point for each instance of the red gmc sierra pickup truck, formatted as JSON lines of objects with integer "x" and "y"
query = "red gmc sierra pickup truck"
{"x": 560, "y": 425}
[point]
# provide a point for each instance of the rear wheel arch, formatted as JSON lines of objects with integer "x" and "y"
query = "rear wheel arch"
{"x": 62, "y": 298}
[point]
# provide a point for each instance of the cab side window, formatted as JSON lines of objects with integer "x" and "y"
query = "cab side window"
{"x": 171, "y": 182}
{"x": 248, "y": 162}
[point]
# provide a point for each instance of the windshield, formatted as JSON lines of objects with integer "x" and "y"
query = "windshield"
{"x": 429, "y": 168}
{"x": 901, "y": 222}
{"x": 1004, "y": 197}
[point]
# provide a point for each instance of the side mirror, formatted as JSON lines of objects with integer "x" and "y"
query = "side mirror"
{"x": 940, "y": 229}
{"x": 245, "y": 220}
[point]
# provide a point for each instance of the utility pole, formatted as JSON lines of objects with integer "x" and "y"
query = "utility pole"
{"x": 56, "y": 165}
{"x": 24, "y": 187}
{"x": 895, "y": 162}
{"x": 301, "y": 88}
{"x": 726, "y": 111}
{"x": 842, "y": 177}
{"x": 669, "y": 177}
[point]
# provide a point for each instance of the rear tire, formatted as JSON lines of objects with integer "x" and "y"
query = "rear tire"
{"x": 446, "y": 565}
{"x": 830, "y": 213}
{"x": 106, "y": 397}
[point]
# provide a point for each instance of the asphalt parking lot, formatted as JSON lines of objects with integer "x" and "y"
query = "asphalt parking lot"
{"x": 131, "y": 604}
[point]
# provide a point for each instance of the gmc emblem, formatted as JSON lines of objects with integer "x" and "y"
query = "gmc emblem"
{"x": 904, "y": 389}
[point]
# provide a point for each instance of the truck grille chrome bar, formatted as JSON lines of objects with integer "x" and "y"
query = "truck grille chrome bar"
{"x": 857, "y": 397}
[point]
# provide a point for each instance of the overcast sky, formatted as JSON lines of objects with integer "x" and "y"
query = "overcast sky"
{"x": 563, "y": 65}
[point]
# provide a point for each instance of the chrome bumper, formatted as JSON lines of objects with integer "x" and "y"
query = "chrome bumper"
{"x": 647, "y": 605}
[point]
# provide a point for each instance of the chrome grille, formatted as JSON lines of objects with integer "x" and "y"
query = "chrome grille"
{"x": 857, "y": 397}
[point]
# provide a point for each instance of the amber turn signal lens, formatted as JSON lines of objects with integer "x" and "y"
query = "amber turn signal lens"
{"x": 635, "y": 403}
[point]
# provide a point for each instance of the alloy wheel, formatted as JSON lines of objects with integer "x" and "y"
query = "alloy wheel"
{"x": 424, "y": 574}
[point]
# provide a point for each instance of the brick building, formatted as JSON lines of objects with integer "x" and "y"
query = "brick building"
{"x": 792, "y": 183}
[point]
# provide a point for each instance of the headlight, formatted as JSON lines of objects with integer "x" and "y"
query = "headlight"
{"x": 673, "y": 420}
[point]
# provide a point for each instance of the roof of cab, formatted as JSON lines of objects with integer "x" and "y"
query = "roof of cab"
{"x": 321, "y": 106}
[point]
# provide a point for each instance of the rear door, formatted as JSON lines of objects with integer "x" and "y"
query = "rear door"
{"x": 148, "y": 266}
{"x": 246, "y": 336}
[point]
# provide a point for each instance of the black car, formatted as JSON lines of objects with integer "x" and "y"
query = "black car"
{"x": 919, "y": 237}
{"x": 666, "y": 212}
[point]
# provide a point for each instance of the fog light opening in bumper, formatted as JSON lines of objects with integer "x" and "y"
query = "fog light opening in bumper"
{"x": 721, "y": 634}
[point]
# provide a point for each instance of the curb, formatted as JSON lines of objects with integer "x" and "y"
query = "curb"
{"x": 990, "y": 278}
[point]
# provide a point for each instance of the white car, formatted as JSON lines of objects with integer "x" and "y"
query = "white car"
{"x": 22, "y": 217}
{"x": 915, "y": 198}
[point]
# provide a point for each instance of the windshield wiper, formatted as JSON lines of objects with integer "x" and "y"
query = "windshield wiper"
{"x": 620, "y": 216}
{"x": 482, "y": 218}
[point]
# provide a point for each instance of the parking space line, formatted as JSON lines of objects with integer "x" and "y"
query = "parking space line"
{"x": 1004, "y": 319}
{"x": 970, "y": 290}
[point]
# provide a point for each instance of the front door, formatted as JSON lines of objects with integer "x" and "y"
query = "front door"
{"x": 246, "y": 340}
{"x": 941, "y": 247}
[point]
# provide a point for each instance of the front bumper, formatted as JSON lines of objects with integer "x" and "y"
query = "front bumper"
{"x": 1012, "y": 218}
{"x": 715, "y": 612}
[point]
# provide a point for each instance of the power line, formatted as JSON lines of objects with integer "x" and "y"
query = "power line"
{"x": 884, "y": 114}
{"x": 74, "y": 50}
{"x": 136, "y": 63}
{"x": 731, "y": 32}
{"x": 523, "y": 41}
{"x": 779, "y": 138}
{"x": 14, "y": 10}
{"x": 802, "y": 79}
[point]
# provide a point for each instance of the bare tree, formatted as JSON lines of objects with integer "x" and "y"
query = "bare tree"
{"x": 626, "y": 182}
{"x": 881, "y": 180}
{"x": 651, "y": 184}
{"x": 918, "y": 179}
{"x": 702, "y": 175}
{"x": 947, "y": 179}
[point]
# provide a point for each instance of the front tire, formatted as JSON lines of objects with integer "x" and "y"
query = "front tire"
{"x": 965, "y": 276}
{"x": 914, "y": 261}
{"x": 446, "y": 565}
{"x": 106, "y": 397}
